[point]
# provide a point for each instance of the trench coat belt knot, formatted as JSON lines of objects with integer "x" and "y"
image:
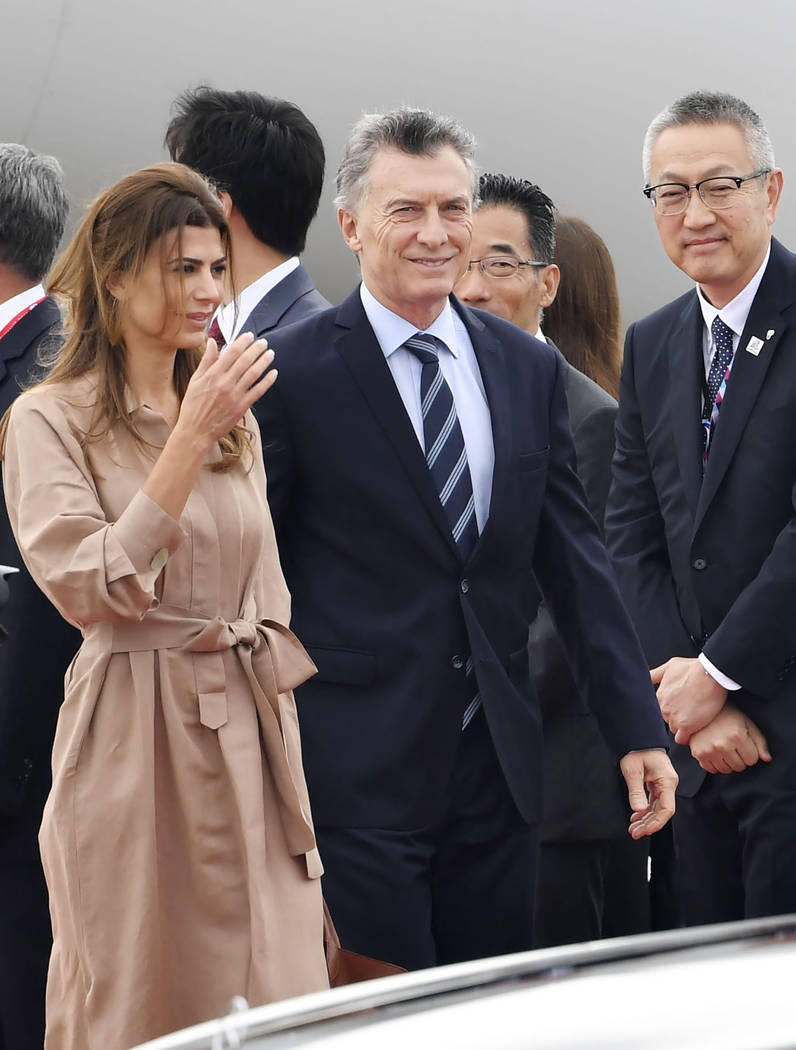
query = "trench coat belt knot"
{"x": 274, "y": 662}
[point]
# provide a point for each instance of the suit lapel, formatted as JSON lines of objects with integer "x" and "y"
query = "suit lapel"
{"x": 685, "y": 398}
{"x": 768, "y": 314}
{"x": 492, "y": 364}
{"x": 360, "y": 350}
{"x": 272, "y": 307}
{"x": 25, "y": 331}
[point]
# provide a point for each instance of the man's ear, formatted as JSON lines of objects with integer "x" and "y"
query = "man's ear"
{"x": 549, "y": 276}
{"x": 226, "y": 203}
{"x": 348, "y": 228}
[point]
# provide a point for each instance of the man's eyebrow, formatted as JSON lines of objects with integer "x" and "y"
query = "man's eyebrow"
{"x": 718, "y": 169}
{"x": 504, "y": 249}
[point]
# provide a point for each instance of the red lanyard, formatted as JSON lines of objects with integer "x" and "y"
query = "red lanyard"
{"x": 20, "y": 315}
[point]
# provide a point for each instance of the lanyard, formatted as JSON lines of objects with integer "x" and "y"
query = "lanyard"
{"x": 20, "y": 315}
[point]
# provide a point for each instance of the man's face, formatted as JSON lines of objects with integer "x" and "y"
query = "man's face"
{"x": 720, "y": 250}
{"x": 412, "y": 230}
{"x": 501, "y": 230}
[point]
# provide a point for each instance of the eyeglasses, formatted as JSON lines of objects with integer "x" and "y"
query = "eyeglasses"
{"x": 717, "y": 193}
{"x": 501, "y": 265}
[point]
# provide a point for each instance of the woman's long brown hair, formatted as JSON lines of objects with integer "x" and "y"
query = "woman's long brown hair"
{"x": 583, "y": 320}
{"x": 115, "y": 236}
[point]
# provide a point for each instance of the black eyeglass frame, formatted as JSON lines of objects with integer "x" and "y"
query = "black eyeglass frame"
{"x": 507, "y": 258}
{"x": 737, "y": 179}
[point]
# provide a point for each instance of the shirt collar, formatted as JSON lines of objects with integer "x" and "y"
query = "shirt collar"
{"x": 392, "y": 330}
{"x": 234, "y": 315}
{"x": 17, "y": 303}
{"x": 735, "y": 313}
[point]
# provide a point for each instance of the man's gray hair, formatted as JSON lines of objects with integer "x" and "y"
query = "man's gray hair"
{"x": 414, "y": 131}
{"x": 33, "y": 209}
{"x": 707, "y": 107}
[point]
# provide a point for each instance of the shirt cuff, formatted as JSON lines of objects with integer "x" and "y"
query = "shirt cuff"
{"x": 715, "y": 673}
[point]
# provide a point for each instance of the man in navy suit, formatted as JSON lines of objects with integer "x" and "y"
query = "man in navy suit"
{"x": 40, "y": 644}
{"x": 412, "y": 585}
{"x": 701, "y": 519}
{"x": 267, "y": 160}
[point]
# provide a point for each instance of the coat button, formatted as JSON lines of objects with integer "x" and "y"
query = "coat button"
{"x": 699, "y": 564}
{"x": 159, "y": 560}
{"x": 464, "y": 586}
{"x": 457, "y": 663}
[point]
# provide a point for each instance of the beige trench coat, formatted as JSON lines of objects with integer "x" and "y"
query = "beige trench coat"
{"x": 177, "y": 840}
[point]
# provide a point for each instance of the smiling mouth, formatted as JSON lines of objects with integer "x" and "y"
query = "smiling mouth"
{"x": 432, "y": 264}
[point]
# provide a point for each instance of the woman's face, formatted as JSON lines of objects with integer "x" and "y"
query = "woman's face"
{"x": 171, "y": 301}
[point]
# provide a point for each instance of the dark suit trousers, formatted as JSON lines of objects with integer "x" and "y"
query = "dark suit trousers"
{"x": 736, "y": 848}
{"x": 460, "y": 889}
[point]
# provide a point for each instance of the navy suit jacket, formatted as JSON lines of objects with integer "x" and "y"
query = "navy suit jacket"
{"x": 710, "y": 564}
{"x": 40, "y": 643}
{"x": 380, "y": 596}
{"x": 293, "y": 299}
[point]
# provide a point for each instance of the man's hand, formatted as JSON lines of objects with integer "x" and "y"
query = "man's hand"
{"x": 651, "y": 780}
{"x": 688, "y": 697}
{"x": 730, "y": 743}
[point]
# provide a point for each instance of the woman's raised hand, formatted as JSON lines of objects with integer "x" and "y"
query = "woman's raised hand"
{"x": 224, "y": 387}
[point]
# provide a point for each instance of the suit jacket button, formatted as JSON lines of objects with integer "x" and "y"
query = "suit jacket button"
{"x": 457, "y": 663}
{"x": 464, "y": 586}
{"x": 699, "y": 564}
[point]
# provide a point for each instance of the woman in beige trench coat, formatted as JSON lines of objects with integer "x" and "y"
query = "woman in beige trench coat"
{"x": 177, "y": 840}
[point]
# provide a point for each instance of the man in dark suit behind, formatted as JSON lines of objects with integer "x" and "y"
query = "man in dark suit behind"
{"x": 40, "y": 644}
{"x": 585, "y": 849}
{"x": 420, "y": 466}
{"x": 267, "y": 160}
{"x": 701, "y": 521}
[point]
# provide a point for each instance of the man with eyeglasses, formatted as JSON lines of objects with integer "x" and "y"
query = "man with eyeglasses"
{"x": 586, "y": 858}
{"x": 700, "y": 521}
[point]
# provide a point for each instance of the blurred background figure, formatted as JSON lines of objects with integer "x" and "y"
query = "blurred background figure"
{"x": 587, "y": 859}
{"x": 176, "y": 839}
{"x": 267, "y": 160}
{"x": 33, "y": 211}
{"x": 583, "y": 318}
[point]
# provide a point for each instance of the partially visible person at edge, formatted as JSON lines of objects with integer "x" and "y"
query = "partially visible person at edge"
{"x": 40, "y": 644}
{"x": 583, "y": 318}
{"x": 176, "y": 841}
{"x": 266, "y": 159}
{"x": 592, "y": 878}
{"x": 701, "y": 519}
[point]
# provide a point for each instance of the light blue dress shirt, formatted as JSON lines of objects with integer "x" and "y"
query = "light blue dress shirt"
{"x": 459, "y": 366}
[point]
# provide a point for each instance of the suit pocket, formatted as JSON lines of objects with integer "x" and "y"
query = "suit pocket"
{"x": 533, "y": 460}
{"x": 348, "y": 666}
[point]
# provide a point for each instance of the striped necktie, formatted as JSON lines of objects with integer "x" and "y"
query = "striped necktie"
{"x": 716, "y": 386}
{"x": 446, "y": 456}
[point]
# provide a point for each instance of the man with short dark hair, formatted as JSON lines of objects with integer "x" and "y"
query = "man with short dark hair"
{"x": 584, "y": 841}
{"x": 420, "y": 467}
{"x": 267, "y": 160}
{"x": 701, "y": 521}
{"x": 40, "y": 644}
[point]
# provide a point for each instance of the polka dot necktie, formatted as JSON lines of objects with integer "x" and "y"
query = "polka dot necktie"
{"x": 717, "y": 381}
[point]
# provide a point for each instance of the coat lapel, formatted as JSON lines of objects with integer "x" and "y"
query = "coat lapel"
{"x": 360, "y": 350}
{"x": 685, "y": 398}
{"x": 768, "y": 314}
{"x": 272, "y": 307}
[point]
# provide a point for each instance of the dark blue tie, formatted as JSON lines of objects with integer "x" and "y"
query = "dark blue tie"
{"x": 446, "y": 456}
{"x": 445, "y": 452}
{"x": 716, "y": 382}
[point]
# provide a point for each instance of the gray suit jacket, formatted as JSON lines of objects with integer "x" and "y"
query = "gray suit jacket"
{"x": 293, "y": 299}
{"x": 584, "y": 794}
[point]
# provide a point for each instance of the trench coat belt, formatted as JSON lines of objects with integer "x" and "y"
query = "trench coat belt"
{"x": 274, "y": 662}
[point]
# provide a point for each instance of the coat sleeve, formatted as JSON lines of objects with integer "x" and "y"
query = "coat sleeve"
{"x": 634, "y": 534}
{"x": 572, "y": 567}
{"x": 92, "y": 569}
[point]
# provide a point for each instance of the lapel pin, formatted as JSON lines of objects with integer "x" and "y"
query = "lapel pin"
{"x": 754, "y": 346}
{"x": 769, "y": 333}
